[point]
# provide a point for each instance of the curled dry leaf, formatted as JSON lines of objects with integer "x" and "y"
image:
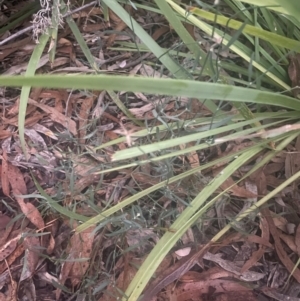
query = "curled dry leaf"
{"x": 11, "y": 258}
{"x": 212, "y": 273}
{"x": 4, "y": 221}
{"x": 261, "y": 189}
{"x": 119, "y": 26}
{"x": 77, "y": 262}
{"x": 234, "y": 296}
{"x": 4, "y": 176}
{"x": 83, "y": 245}
{"x": 231, "y": 267}
{"x": 30, "y": 292}
{"x": 48, "y": 241}
{"x": 237, "y": 237}
{"x": 83, "y": 117}
{"x": 9, "y": 247}
{"x": 237, "y": 190}
{"x": 172, "y": 273}
{"x": 22, "y": 67}
{"x": 51, "y": 245}
{"x": 289, "y": 241}
{"x": 32, "y": 245}
{"x": 36, "y": 138}
{"x": 283, "y": 256}
{"x": 297, "y": 240}
{"x": 114, "y": 290}
{"x": 12, "y": 291}
{"x": 188, "y": 291}
{"x": 42, "y": 129}
{"x": 64, "y": 274}
{"x": 30, "y": 211}
{"x": 256, "y": 256}
{"x": 16, "y": 179}
{"x": 274, "y": 294}
{"x": 148, "y": 71}
{"x": 56, "y": 116}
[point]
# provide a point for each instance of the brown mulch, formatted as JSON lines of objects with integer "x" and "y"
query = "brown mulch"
{"x": 40, "y": 255}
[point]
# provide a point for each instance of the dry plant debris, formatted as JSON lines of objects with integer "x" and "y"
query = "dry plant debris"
{"x": 41, "y": 256}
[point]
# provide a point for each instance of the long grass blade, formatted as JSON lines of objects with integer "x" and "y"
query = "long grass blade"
{"x": 32, "y": 66}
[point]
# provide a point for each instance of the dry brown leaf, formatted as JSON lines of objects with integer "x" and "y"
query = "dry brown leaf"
{"x": 234, "y": 296}
{"x": 11, "y": 258}
{"x": 66, "y": 47}
{"x": 83, "y": 244}
{"x": 64, "y": 274}
{"x": 283, "y": 256}
{"x": 237, "y": 190}
{"x": 148, "y": 71}
{"x": 127, "y": 274}
{"x": 16, "y": 179}
{"x": 44, "y": 130}
{"x": 279, "y": 221}
{"x": 261, "y": 189}
{"x": 159, "y": 32}
{"x": 4, "y": 221}
{"x": 86, "y": 106}
{"x": 30, "y": 211}
{"x": 87, "y": 13}
{"x": 120, "y": 26}
{"x": 261, "y": 183}
{"x": 51, "y": 245}
{"x": 273, "y": 181}
{"x": 113, "y": 292}
{"x": 30, "y": 120}
{"x": 22, "y": 67}
{"x": 297, "y": 239}
{"x": 4, "y": 133}
{"x": 212, "y": 273}
{"x": 12, "y": 291}
{"x": 192, "y": 156}
{"x": 237, "y": 237}
{"x": 9, "y": 247}
{"x": 14, "y": 109}
{"x": 48, "y": 241}
{"x": 13, "y": 47}
{"x": 80, "y": 248}
{"x": 231, "y": 267}
{"x": 82, "y": 165}
{"x": 5, "y": 234}
{"x": 31, "y": 259}
{"x": 4, "y": 176}
{"x": 272, "y": 168}
{"x": 56, "y": 116}
{"x": 139, "y": 112}
{"x": 174, "y": 272}
{"x": 36, "y": 138}
{"x": 30, "y": 291}
{"x": 289, "y": 241}
{"x": 193, "y": 290}
{"x": 275, "y": 295}
{"x": 82, "y": 183}
{"x": 256, "y": 256}
{"x": 59, "y": 105}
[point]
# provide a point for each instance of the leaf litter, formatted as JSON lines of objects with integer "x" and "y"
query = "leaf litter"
{"x": 42, "y": 256}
